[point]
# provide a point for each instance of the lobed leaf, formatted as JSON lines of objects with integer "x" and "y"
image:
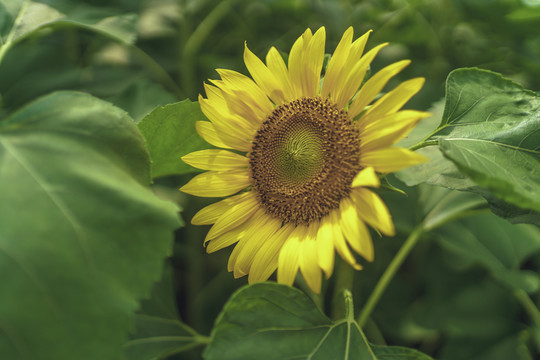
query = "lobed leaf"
{"x": 273, "y": 321}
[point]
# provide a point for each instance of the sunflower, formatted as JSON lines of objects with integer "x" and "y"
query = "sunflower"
{"x": 297, "y": 156}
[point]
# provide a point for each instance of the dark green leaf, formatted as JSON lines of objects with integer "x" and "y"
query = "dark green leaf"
{"x": 273, "y": 321}
{"x": 170, "y": 134}
{"x": 497, "y": 245}
{"x": 82, "y": 238}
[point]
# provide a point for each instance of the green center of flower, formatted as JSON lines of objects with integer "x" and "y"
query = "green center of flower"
{"x": 303, "y": 159}
{"x": 301, "y": 155}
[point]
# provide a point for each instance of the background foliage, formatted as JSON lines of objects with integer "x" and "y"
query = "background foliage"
{"x": 82, "y": 238}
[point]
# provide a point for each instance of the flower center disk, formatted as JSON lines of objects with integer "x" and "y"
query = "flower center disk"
{"x": 303, "y": 159}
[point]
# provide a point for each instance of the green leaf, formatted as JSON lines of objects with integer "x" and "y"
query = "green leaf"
{"x": 274, "y": 321}
{"x": 490, "y": 130}
{"x": 82, "y": 237}
{"x": 398, "y": 352}
{"x": 157, "y": 338}
{"x": 496, "y": 245}
{"x": 23, "y": 18}
{"x": 170, "y": 134}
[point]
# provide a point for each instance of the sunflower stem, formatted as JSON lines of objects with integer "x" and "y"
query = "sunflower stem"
{"x": 344, "y": 282}
{"x": 388, "y": 274}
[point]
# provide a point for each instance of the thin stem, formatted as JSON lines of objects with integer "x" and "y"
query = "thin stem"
{"x": 197, "y": 39}
{"x": 423, "y": 144}
{"x": 529, "y": 306}
{"x": 388, "y": 274}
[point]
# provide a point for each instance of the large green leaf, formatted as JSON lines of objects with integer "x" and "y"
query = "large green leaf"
{"x": 272, "y": 321}
{"x": 496, "y": 245}
{"x": 82, "y": 238}
{"x": 490, "y": 131}
{"x": 170, "y": 134}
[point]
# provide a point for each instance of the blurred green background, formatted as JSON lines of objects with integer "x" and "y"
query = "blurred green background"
{"x": 438, "y": 304}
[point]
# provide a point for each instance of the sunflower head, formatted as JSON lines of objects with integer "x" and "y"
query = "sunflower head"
{"x": 305, "y": 153}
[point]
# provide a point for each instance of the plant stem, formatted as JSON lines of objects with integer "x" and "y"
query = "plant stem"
{"x": 423, "y": 144}
{"x": 196, "y": 40}
{"x": 388, "y": 274}
{"x": 344, "y": 282}
{"x": 529, "y": 306}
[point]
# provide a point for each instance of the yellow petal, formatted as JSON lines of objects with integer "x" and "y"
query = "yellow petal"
{"x": 255, "y": 95}
{"x": 234, "y": 255}
{"x": 235, "y": 132}
{"x": 238, "y": 106}
{"x": 228, "y": 107}
{"x": 277, "y": 66}
{"x": 388, "y": 130}
{"x": 243, "y": 239}
{"x": 209, "y": 214}
{"x": 337, "y": 62}
{"x": 395, "y": 99}
{"x": 218, "y": 183}
{"x": 354, "y": 77}
{"x": 265, "y": 261}
{"x": 374, "y": 85}
{"x": 308, "y": 260}
{"x": 373, "y": 210}
{"x": 366, "y": 177}
{"x": 229, "y": 238}
{"x": 256, "y": 237}
{"x": 339, "y": 241}
{"x": 354, "y": 229}
{"x": 357, "y": 48}
{"x": 288, "y": 261}
{"x": 296, "y": 63}
{"x": 215, "y": 159}
{"x": 207, "y": 131}
{"x": 313, "y": 62}
{"x": 391, "y": 159}
{"x": 236, "y": 215}
{"x": 263, "y": 77}
{"x": 325, "y": 246}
